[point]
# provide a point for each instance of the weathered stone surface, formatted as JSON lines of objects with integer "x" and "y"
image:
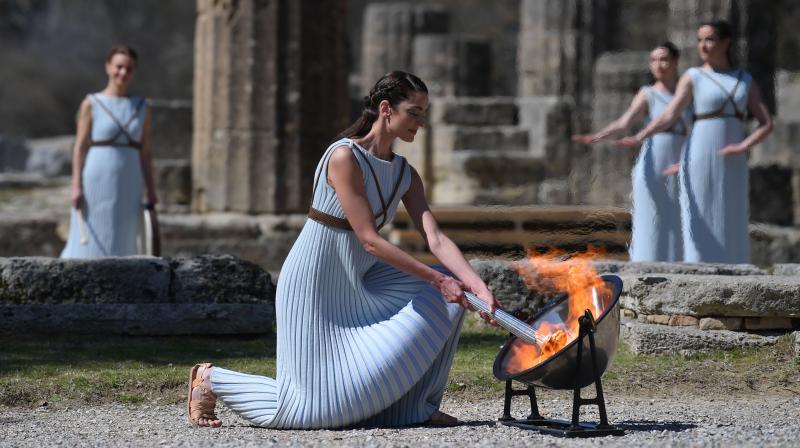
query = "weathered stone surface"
{"x": 786, "y": 269}
{"x": 173, "y": 179}
{"x": 388, "y": 36}
{"x": 50, "y": 157}
{"x": 453, "y": 65}
{"x": 631, "y": 268}
{"x": 646, "y": 339}
{"x": 660, "y": 319}
{"x": 712, "y": 295}
{"x": 33, "y": 235}
{"x": 150, "y": 319}
{"x": 270, "y": 92}
{"x": 171, "y": 128}
{"x": 13, "y": 153}
{"x": 722, "y": 323}
{"x": 683, "y": 321}
{"x": 768, "y": 323}
{"x": 505, "y": 284}
{"x": 219, "y": 279}
{"x": 492, "y": 111}
{"x": 796, "y": 337}
{"x": 547, "y": 119}
{"x": 771, "y": 244}
{"x": 120, "y": 280}
{"x": 135, "y": 295}
{"x": 771, "y": 196}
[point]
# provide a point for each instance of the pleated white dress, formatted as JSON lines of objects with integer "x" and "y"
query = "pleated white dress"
{"x": 714, "y": 188}
{"x": 359, "y": 342}
{"x": 112, "y": 181}
{"x": 656, "y": 214}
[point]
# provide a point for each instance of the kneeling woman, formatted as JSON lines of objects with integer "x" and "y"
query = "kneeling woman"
{"x": 366, "y": 333}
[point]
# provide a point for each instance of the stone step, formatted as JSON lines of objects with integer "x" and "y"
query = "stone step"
{"x": 470, "y": 111}
{"x": 492, "y": 168}
{"x": 515, "y": 229}
{"x": 490, "y": 138}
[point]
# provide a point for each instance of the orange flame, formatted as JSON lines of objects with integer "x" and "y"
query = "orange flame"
{"x": 550, "y": 273}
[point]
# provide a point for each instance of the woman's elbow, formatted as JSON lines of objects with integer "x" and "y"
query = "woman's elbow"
{"x": 370, "y": 243}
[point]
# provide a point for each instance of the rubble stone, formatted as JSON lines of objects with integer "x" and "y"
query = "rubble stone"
{"x": 51, "y": 156}
{"x": 647, "y": 339}
{"x": 768, "y": 323}
{"x": 197, "y": 295}
{"x": 683, "y": 321}
{"x": 712, "y": 295}
{"x": 660, "y": 319}
{"x": 722, "y": 323}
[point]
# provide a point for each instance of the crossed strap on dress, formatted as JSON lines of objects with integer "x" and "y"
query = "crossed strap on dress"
{"x": 122, "y": 128}
{"x": 720, "y": 113}
{"x": 342, "y": 223}
{"x": 684, "y": 128}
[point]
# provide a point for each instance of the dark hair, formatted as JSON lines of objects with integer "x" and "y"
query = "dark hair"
{"x": 671, "y": 48}
{"x": 723, "y": 30}
{"x": 393, "y": 87}
{"x": 122, "y": 49}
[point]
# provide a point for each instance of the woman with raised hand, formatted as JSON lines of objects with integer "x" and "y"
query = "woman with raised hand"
{"x": 656, "y": 234}
{"x": 111, "y": 166}
{"x": 713, "y": 169}
{"x": 366, "y": 333}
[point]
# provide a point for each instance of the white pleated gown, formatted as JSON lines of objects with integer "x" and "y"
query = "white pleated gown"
{"x": 359, "y": 342}
{"x": 656, "y": 214}
{"x": 715, "y": 188}
{"x": 112, "y": 183}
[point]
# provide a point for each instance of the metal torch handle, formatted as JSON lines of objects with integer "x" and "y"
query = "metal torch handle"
{"x": 517, "y": 327}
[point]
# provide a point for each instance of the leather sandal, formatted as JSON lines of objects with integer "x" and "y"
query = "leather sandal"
{"x": 202, "y": 408}
{"x": 439, "y": 418}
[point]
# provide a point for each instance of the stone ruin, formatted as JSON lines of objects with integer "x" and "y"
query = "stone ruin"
{"x": 270, "y": 83}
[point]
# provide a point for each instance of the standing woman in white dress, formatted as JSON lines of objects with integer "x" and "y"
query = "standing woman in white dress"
{"x": 713, "y": 169}
{"x": 656, "y": 218}
{"x": 111, "y": 166}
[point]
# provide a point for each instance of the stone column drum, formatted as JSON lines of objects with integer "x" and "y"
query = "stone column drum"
{"x": 388, "y": 36}
{"x": 270, "y": 93}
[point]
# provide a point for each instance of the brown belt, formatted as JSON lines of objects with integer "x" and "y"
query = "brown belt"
{"x": 717, "y": 114}
{"x": 329, "y": 220}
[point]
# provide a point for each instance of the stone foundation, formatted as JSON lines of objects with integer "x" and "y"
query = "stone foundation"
{"x": 135, "y": 296}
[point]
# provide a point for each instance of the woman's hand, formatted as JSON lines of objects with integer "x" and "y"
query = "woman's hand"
{"x": 76, "y": 197}
{"x": 452, "y": 290}
{"x": 732, "y": 149}
{"x": 482, "y": 291}
{"x": 628, "y": 142}
{"x": 671, "y": 170}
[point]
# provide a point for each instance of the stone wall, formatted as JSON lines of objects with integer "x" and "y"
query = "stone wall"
{"x": 135, "y": 295}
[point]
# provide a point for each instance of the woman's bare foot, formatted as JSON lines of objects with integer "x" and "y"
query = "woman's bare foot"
{"x": 201, "y": 399}
{"x": 439, "y": 418}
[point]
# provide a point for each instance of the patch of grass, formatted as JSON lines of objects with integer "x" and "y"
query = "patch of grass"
{"x": 138, "y": 370}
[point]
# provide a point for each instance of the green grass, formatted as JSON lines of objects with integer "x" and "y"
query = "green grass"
{"x": 137, "y": 370}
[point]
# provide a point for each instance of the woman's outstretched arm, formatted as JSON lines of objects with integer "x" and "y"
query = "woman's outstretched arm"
{"x": 682, "y": 98}
{"x": 345, "y": 176}
{"x": 635, "y": 112}
{"x": 757, "y": 107}
{"x": 82, "y": 138}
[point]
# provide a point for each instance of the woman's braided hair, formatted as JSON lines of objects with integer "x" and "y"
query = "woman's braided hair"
{"x": 393, "y": 87}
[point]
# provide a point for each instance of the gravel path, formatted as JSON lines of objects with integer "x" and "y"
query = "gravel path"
{"x": 677, "y": 421}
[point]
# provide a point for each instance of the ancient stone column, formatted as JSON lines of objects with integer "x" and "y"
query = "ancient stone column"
{"x": 453, "y": 65}
{"x": 388, "y": 36}
{"x": 558, "y": 41}
{"x": 270, "y": 93}
{"x": 754, "y": 25}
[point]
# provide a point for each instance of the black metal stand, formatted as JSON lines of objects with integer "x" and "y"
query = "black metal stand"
{"x": 563, "y": 428}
